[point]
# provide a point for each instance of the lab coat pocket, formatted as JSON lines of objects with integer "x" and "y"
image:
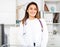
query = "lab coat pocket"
{"x": 27, "y": 39}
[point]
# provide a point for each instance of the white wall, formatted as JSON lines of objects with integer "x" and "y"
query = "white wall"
{"x": 25, "y": 2}
{"x": 7, "y": 11}
{"x": 58, "y": 6}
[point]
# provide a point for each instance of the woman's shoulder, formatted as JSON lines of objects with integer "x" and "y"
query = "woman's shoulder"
{"x": 43, "y": 21}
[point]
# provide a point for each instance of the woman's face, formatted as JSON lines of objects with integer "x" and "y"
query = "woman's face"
{"x": 32, "y": 10}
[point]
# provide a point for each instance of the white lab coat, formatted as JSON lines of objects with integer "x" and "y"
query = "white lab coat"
{"x": 33, "y": 33}
{"x": 30, "y": 33}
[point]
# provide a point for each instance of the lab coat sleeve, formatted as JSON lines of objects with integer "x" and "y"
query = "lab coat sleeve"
{"x": 44, "y": 34}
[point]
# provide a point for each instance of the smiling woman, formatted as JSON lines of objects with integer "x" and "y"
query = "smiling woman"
{"x": 33, "y": 27}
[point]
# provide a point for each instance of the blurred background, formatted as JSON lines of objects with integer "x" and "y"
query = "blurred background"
{"x": 12, "y": 12}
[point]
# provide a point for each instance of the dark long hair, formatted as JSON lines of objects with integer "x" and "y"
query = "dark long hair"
{"x": 27, "y": 15}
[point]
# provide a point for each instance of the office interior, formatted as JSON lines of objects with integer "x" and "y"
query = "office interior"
{"x": 11, "y": 16}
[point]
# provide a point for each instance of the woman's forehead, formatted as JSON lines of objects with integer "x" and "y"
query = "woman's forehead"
{"x": 33, "y": 5}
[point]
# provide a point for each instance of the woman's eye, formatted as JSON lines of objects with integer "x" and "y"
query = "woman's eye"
{"x": 35, "y": 9}
{"x": 31, "y": 8}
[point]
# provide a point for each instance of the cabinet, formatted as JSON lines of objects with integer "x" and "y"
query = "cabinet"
{"x": 53, "y": 28}
{"x": 52, "y": 17}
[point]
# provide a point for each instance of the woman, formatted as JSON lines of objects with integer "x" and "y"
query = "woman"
{"x": 31, "y": 27}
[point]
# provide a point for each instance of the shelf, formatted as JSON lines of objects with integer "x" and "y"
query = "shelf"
{"x": 53, "y": 23}
{"x": 53, "y": 6}
{"x": 56, "y": 23}
{"x": 49, "y": 23}
{"x": 52, "y": 0}
{"x": 9, "y": 25}
{"x": 51, "y": 12}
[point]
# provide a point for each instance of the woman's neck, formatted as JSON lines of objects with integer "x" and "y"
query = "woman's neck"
{"x": 31, "y": 18}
